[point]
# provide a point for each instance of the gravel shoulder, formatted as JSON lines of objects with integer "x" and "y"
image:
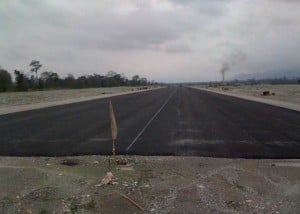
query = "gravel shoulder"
{"x": 157, "y": 184}
{"x": 285, "y": 96}
{"x": 22, "y": 101}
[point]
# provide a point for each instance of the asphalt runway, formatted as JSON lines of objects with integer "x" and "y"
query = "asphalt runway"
{"x": 170, "y": 121}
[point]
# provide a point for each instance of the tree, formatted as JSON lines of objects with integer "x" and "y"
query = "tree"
{"x": 31, "y": 81}
{"x": 21, "y": 81}
{"x": 50, "y": 79}
{"x": 143, "y": 81}
{"x": 69, "y": 81}
{"x": 82, "y": 82}
{"x": 96, "y": 80}
{"x": 36, "y": 65}
{"x": 135, "y": 80}
{"x": 111, "y": 74}
{"x": 5, "y": 80}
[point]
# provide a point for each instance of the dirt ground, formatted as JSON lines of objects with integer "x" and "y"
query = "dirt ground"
{"x": 23, "y": 98}
{"x": 11, "y": 102}
{"x": 287, "y": 93}
{"x": 157, "y": 184}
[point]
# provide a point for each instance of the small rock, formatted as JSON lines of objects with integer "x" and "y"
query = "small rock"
{"x": 126, "y": 168}
{"x": 29, "y": 211}
{"x": 249, "y": 201}
{"x": 122, "y": 161}
{"x": 200, "y": 186}
{"x": 230, "y": 202}
{"x": 108, "y": 179}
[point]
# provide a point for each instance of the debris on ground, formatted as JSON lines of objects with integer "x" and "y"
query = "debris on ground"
{"x": 265, "y": 93}
{"x": 130, "y": 200}
{"x": 136, "y": 161}
{"x": 122, "y": 161}
{"x": 125, "y": 164}
{"x": 157, "y": 184}
{"x": 70, "y": 162}
{"x": 128, "y": 167}
{"x": 108, "y": 179}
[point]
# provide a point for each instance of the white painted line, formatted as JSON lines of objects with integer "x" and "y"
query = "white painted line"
{"x": 149, "y": 122}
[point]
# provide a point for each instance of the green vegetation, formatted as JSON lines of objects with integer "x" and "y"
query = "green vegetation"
{"x": 25, "y": 81}
{"x": 5, "y": 80}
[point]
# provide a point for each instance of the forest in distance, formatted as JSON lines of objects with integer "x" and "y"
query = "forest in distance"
{"x": 36, "y": 80}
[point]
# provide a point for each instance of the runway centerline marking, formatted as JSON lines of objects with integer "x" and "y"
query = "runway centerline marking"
{"x": 149, "y": 122}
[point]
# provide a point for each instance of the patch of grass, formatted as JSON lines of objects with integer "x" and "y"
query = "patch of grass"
{"x": 43, "y": 211}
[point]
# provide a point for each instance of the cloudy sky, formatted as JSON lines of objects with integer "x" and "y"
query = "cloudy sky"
{"x": 163, "y": 40}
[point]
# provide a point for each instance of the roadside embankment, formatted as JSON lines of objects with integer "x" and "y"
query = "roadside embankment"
{"x": 11, "y": 102}
{"x": 157, "y": 184}
{"x": 285, "y": 96}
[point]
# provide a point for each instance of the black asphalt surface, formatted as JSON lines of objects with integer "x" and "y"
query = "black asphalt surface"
{"x": 168, "y": 121}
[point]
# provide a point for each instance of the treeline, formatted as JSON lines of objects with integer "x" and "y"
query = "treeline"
{"x": 32, "y": 80}
{"x": 274, "y": 81}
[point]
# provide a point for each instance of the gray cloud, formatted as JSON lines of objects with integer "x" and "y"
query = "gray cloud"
{"x": 177, "y": 47}
{"x": 168, "y": 40}
{"x": 140, "y": 29}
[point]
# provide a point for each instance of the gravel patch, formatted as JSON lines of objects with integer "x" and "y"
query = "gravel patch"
{"x": 157, "y": 184}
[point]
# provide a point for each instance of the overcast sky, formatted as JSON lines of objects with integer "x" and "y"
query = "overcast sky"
{"x": 163, "y": 40}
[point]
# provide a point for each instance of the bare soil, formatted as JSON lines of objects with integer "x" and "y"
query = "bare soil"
{"x": 287, "y": 93}
{"x": 11, "y": 102}
{"x": 32, "y": 97}
{"x": 157, "y": 184}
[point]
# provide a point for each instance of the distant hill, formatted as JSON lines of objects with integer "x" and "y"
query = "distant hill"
{"x": 268, "y": 75}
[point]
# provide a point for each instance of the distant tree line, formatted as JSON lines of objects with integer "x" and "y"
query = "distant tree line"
{"x": 32, "y": 80}
{"x": 274, "y": 81}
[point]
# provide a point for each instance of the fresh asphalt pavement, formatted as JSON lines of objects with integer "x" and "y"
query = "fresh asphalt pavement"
{"x": 167, "y": 121}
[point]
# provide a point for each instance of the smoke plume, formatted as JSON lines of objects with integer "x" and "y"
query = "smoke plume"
{"x": 233, "y": 59}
